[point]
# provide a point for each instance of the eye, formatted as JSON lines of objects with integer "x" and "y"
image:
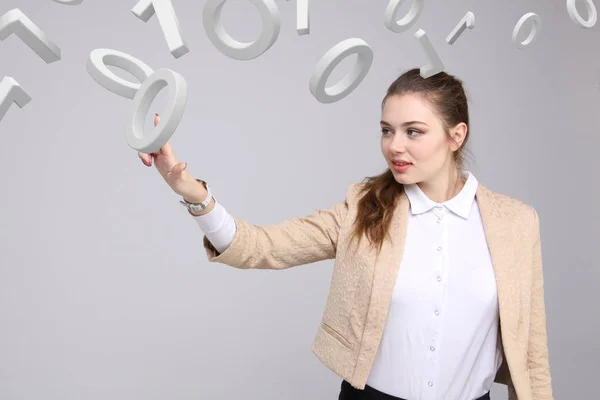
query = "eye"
{"x": 384, "y": 131}
{"x": 414, "y": 130}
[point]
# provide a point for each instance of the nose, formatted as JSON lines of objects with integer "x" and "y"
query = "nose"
{"x": 398, "y": 143}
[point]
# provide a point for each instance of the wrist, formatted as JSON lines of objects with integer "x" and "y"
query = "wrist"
{"x": 198, "y": 194}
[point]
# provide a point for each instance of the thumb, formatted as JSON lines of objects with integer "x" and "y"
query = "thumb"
{"x": 177, "y": 170}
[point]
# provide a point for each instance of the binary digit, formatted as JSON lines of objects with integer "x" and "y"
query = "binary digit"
{"x": 11, "y": 92}
{"x": 435, "y": 64}
{"x": 405, "y": 23}
{"x": 97, "y": 67}
{"x": 330, "y": 60}
{"x": 302, "y": 17}
{"x": 168, "y": 120}
{"x": 271, "y": 24}
{"x": 69, "y": 2}
{"x": 167, "y": 19}
{"x": 575, "y": 17}
{"x": 535, "y": 30}
{"x": 468, "y": 21}
{"x": 15, "y": 22}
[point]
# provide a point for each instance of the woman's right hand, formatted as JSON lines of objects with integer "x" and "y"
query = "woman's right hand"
{"x": 173, "y": 171}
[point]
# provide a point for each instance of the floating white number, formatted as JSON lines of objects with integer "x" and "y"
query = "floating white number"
{"x": 435, "y": 64}
{"x": 97, "y": 67}
{"x": 535, "y": 30}
{"x": 11, "y": 92}
{"x": 468, "y": 21}
{"x": 331, "y": 60}
{"x": 271, "y": 24}
{"x": 405, "y": 23}
{"x": 575, "y": 17}
{"x": 15, "y": 22}
{"x": 169, "y": 119}
{"x": 168, "y": 21}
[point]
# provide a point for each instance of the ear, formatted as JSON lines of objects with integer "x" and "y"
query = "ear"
{"x": 458, "y": 133}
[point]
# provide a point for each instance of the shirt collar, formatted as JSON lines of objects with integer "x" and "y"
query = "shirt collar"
{"x": 459, "y": 204}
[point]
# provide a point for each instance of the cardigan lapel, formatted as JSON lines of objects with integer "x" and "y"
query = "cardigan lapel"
{"x": 499, "y": 239}
{"x": 386, "y": 266}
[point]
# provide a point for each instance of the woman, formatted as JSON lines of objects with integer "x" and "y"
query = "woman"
{"x": 437, "y": 289}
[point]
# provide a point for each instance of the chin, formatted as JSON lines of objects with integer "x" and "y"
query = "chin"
{"x": 404, "y": 178}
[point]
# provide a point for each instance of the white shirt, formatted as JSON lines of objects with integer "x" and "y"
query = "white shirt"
{"x": 440, "y": 341}
{"x": 441, "y": 336}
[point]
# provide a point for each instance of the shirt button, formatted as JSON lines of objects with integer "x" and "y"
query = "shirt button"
{"x": 430, "y": 384}
{"x": 439, "y": 220}
{"x": 439, "y": 278}
{"x": 432, "y": 348}
{"x": 437, "y": 312}
{"x": 439, "y": 248}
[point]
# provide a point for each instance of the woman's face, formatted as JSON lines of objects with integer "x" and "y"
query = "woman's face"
{"x": 413, "y": 133}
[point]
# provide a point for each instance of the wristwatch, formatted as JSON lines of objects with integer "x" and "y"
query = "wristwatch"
{"x": 198, "y": 206}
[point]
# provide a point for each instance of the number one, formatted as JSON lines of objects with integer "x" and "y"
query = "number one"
{"x": 435, "y": 64}
{"x": 468, "y": 21}
{"x": 14, "y": 21}
{"x": 167, "y": 19}
{"x": 11, "y": 92}
{"x": 302, "y": 17}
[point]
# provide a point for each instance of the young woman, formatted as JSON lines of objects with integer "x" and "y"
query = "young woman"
{"x": 437, "y": 290}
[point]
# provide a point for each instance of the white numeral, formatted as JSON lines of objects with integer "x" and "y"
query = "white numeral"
{"x": 468, "y": 21}
{"x": 169, "y": 119}
{"x": 69, "y": 2}
{"x": 330, "y": 60}
{"x": 167, "y": 19}
{"x": 405, "y": 23}
{"x": 575, "y": 17}
{"x": 271, "y": 24}
{"x": 302, "y": 17}
{"x": 535, "y": 30}
{"x": 97, "y": 67}
{"x": 11, "y": 92}
{"x": 435, "y": 64}
{"x": 14, "y": 21}
{"x": 142, "y": 94}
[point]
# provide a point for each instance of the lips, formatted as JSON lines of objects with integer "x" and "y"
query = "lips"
{"x": 401, "y": 163}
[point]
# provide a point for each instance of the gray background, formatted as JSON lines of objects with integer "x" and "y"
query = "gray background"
{"x": 105, "y": 289}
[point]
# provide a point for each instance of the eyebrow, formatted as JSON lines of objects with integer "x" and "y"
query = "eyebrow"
{"x": 404, "y": 124}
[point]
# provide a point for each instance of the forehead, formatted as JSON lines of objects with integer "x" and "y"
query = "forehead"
{"x": 408, "y": 107}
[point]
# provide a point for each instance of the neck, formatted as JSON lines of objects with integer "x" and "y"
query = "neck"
{"x": 443, "y": 187}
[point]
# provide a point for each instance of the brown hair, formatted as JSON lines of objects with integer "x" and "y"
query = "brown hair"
{"x": 446, "y": 96}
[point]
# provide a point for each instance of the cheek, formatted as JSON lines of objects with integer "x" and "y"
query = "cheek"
{"x": 428, "y": 150}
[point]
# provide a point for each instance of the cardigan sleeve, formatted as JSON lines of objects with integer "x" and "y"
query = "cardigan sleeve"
{"x": 537, "y": 350}
{"x": 295, "y": 241}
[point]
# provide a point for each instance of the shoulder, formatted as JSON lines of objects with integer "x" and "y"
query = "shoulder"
{"x": 355, "y": 191}
{"x": 511, "y": 208}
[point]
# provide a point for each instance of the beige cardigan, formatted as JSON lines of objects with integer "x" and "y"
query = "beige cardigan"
{"x": 362, "y": 283}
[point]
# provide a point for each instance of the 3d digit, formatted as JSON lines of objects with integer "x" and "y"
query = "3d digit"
{"x": 14, "y": 21}
{"x": 302, "y": 17}
{"x": 330, "y": 60}
{"x": 405, "y": 23}
{"x": 69, "y": 2}
{"x": 167, "y": 19}
{"x": 11, "y": 92}
{"x": 97, "y": 67}
{"x": 435, "y": 64}
{"x": 535, "y": 30}
{"x": 468, "y": 21}
{"x": 169, "y": 120}
{"x": 271, "y": 23}
{"x": 575, "y": 17}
